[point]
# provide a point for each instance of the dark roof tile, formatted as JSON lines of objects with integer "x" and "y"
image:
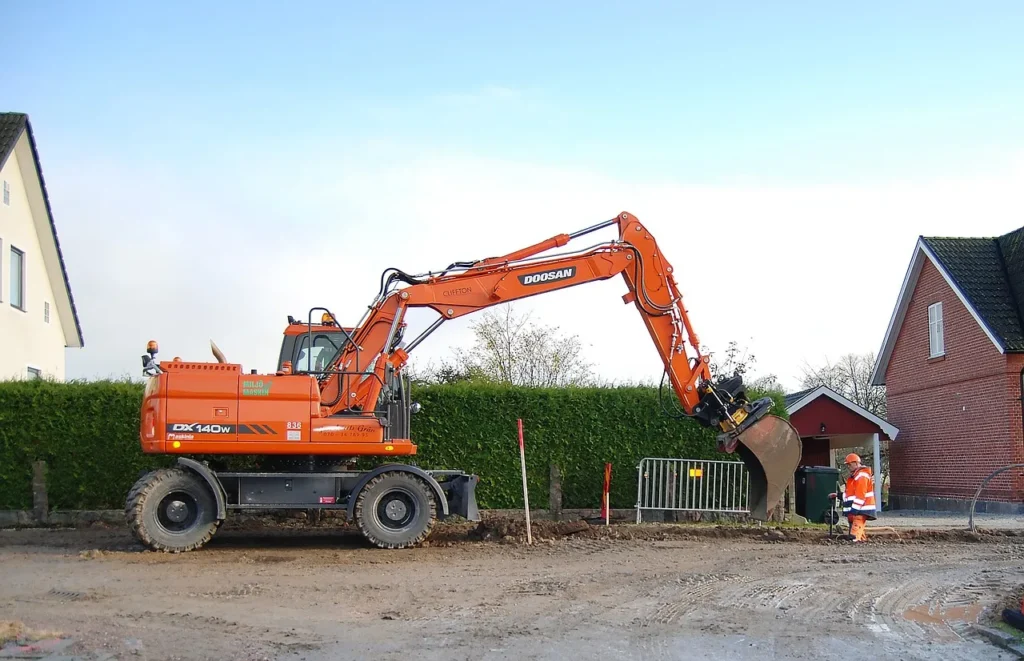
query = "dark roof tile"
{"x": 11, "y": 125}
{"x": 794, "y": 397}
{"x": 990, "y": 274}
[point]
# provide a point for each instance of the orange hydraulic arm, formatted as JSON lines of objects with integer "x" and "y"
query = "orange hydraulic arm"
{"x": 467, "y": 287}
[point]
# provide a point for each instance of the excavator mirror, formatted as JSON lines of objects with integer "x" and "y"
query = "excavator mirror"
{"x": 415, "y": 407}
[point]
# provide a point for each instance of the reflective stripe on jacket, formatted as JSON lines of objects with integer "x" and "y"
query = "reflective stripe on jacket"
{"x": 859, "y": 495}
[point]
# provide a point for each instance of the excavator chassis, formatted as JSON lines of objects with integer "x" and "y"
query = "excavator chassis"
{"x": 393, "y": 506}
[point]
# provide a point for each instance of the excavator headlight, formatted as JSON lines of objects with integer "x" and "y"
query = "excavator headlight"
{"x": 325, "y": 319}
{"x": 151, "y": 348}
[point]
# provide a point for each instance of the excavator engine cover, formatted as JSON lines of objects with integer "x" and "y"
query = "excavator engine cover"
{"x": 770, "y": 449}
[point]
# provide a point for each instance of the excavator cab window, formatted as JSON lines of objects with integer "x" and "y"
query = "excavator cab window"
{"x": 316, "y": 358}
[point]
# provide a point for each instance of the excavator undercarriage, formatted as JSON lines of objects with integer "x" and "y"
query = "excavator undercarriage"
{"x": 339, "y": 394}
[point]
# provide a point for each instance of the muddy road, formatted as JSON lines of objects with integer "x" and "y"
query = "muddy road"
{"x": 645, "y": 592}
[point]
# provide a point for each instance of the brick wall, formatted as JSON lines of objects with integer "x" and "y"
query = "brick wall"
{"x": 957, "y": 417}
{"x": 1014, "y": 365}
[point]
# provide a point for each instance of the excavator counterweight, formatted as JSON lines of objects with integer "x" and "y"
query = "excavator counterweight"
{"x": 340, "y": 393}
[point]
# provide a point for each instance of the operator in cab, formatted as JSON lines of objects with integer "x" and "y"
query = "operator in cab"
{"x": 858, "y": 498}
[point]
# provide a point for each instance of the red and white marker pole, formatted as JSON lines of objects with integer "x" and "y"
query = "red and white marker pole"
{"x": 526, "y": 495}
{"x": 606, "y": 498}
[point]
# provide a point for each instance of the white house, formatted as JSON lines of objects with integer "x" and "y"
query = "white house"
{"x": 38, "y": 319}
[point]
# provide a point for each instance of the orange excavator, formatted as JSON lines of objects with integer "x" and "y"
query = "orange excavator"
{"x": 339, "y": 393}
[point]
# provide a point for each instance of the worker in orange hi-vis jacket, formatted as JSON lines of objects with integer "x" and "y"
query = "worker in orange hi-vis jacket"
{"x": 858, "y": 498}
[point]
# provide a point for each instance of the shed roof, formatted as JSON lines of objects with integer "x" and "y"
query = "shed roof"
{"x": 798, "y": 400}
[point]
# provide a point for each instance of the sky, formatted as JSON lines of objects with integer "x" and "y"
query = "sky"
{"x": 215, "y": 167}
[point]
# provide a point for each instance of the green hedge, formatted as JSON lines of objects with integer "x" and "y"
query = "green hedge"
{"x": 87, "y": 432}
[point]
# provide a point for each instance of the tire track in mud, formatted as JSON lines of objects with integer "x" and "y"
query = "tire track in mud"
{"x": 909, "y": 602}
{"x": 683, "y": 595}
{"x": 249, "y": 637}
{"x": 938, "y": 605}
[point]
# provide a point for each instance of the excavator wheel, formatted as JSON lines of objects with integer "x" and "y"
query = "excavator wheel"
{"x": 770, "y": 449}
{"x": 172, "y": 510}
{"x": 395, "y": 510}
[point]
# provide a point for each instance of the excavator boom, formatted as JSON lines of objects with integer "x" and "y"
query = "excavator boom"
{"x": 768, "y": 445}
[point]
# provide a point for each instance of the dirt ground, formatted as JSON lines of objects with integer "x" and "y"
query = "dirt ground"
{"x": 279, "y": 591}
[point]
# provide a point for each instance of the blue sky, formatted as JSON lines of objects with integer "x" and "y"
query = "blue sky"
{"x": 762, "y": 92}
{"x": 200, "y": 112}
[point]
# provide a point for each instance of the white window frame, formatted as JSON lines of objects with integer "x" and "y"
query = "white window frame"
{"x": 7, "y": 193}
{"x": 46, "y": 312}
{"x": 32, "y": 368}
{"x": 23, "y": 307}
{"x": 936, "y": 331}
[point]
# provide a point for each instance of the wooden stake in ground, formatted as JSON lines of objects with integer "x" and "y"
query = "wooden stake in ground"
{"x": 526, "y": 495}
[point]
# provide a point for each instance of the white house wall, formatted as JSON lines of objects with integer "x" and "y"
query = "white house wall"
{"x": 27, "y": 339}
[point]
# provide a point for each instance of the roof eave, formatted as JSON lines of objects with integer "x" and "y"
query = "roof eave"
{"x": 921, "y": 252}
{"x": 896, "y": 319}
{"x": 887, "y": 427}
{"x": 963, "y": 299}
{"x": 26, "y": 131}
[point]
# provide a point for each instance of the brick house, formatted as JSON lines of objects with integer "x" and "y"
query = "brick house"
{"x": 952, "y": 362}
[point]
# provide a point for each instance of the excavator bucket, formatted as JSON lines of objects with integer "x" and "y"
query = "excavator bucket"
{"x": 770, "y": 449}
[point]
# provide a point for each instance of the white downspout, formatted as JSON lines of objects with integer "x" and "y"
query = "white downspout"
{"x": 878, "y": 474}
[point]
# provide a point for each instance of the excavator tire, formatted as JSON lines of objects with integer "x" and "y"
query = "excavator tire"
{"x": 172, "y": 510}
{"x": 395, "y": 510}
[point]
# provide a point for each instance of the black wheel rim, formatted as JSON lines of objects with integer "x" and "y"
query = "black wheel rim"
{"x": 396, "y": 510}
{"x": 178, "y": 512}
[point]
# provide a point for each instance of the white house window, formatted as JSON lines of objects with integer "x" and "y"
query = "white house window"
{"x": 46, "y": 311}
{"x": 936, "y": 340}
{"x": 17, "y": 278}
{"x": 7, "y": 193}
{"x": 34, "y": 373}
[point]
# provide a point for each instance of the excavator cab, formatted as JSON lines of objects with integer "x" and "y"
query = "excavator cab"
{"x": 311, "y": 347}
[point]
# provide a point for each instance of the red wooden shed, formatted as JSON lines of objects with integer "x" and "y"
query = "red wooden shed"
{"x": 827, "y": 421}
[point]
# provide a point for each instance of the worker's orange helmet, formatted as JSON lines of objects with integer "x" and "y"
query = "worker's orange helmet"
{"x": 852, "y": 457}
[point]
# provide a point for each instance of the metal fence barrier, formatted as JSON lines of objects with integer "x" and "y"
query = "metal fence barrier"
{"x": 691, "y": 485}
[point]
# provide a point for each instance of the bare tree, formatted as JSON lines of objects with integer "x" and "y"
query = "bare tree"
{"x": 510, "y": 348}
{"x": 733, "y": 362}
{"x": 851, "y": 378}
{"x": 447, "y": 372}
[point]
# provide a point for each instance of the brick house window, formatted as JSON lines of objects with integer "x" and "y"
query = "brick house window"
{"x": 936, "y": 340}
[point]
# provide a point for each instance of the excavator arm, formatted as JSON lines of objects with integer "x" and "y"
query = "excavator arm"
{"x": 768, "y": 445}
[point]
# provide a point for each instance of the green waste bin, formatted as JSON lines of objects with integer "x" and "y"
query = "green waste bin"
{"x": 813, "y": 485}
